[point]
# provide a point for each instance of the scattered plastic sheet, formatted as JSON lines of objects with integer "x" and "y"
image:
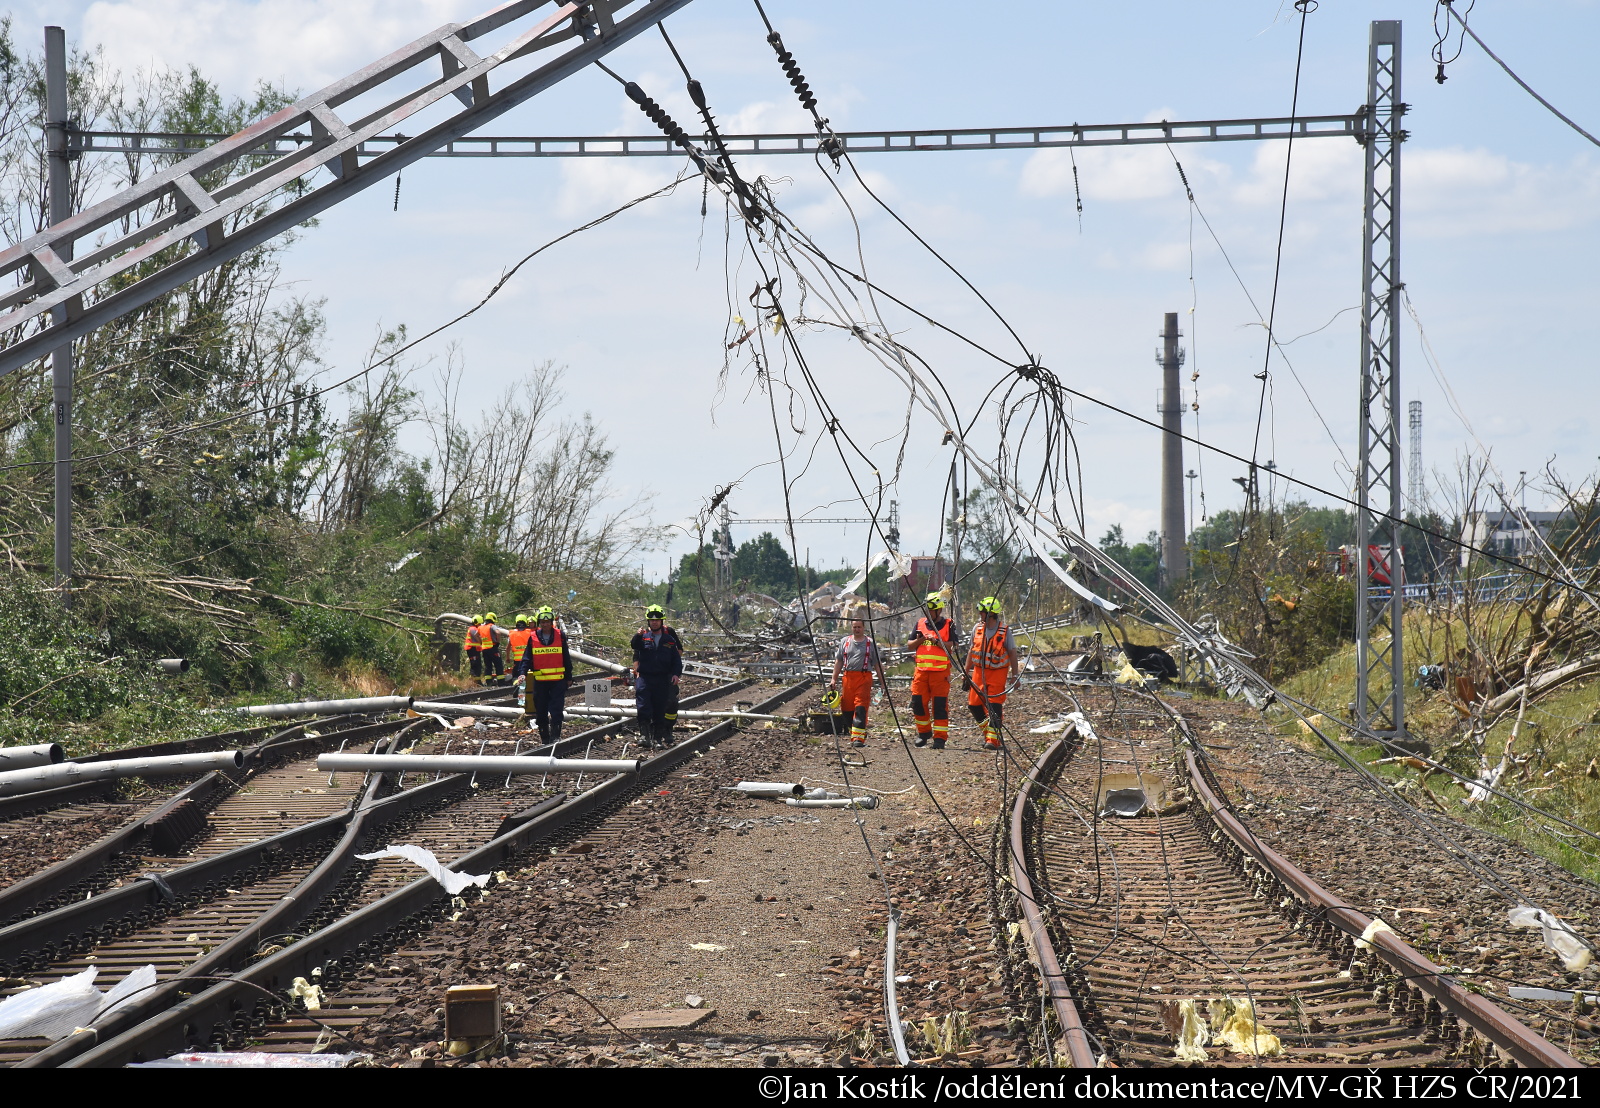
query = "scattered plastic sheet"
{"x": 56, "y": 1010}
{"x": 1559, "y": 939}
{"x": 452, "y": 881}
{"x": 251, "y": 1060}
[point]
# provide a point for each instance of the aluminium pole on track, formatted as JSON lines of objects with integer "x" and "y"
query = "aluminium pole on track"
{"x": 59, "y": 190}
{"x": 1380, "y": 664}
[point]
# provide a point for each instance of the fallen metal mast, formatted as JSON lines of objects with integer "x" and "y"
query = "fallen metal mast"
{"x": 571, "y": 37}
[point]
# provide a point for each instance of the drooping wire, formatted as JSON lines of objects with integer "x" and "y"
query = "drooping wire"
{"x": 1441, "y": 35}
{"x": 1459, "y": 18}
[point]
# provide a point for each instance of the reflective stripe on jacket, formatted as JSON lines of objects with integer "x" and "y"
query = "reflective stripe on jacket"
{"x": 547, "y": 663}
{"x": 989, "y": 651}
{"x": 933, "y": 656}
{"x": 518, "y": 646}
{"x": 472, "y": 641}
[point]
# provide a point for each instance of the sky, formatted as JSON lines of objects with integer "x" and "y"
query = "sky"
{"x": 1500, "y": 223}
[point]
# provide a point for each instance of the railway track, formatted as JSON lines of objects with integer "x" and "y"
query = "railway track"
{"x": 1127, "y": 918}
{"x": 248, "y": 897}
{"x": 209, "y": 815}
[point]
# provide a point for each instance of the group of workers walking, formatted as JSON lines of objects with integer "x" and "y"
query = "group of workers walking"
{"x": 991, "y": 663}
{"x": 541, "y": 657}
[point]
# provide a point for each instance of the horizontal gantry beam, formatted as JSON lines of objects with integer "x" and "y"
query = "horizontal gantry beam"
{"x": 855, "y": 142}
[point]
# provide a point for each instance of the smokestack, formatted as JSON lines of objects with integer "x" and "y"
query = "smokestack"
{"x": 1174, "y": 554}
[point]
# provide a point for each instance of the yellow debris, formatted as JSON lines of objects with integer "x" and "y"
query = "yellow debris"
{"x": 1234, "y": 1025}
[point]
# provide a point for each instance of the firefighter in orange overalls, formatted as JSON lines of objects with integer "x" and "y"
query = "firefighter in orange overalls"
{"x": 474, "y": 646}
{"x": 993, "y": 658}
{"x": 935, "y": 640}
{"x": 857, "y": 660}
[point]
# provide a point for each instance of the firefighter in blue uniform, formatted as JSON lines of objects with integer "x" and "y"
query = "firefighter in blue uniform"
{"x": 657, "y": 665}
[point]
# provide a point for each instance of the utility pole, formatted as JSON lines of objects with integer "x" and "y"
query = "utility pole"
{"x": 1174, "y": 555}
{"x": 60, "y": 194}
{"x": 1379, "y": 707}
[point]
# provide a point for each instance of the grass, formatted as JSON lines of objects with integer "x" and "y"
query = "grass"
{"x": 1556, "y": 750}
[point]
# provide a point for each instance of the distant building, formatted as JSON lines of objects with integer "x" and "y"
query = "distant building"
{"x": 929, "y": 573}
{"x": 1504, "y": 533}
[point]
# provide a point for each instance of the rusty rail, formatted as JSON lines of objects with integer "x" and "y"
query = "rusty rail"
{"x": 1034, "y": 927}
{"x": 1520, "y": 1042}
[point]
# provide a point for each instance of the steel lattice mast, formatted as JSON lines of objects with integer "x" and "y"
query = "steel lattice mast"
{"x": 1380, "y": 658}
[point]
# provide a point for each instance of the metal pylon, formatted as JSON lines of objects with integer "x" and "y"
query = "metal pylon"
{"x": 1380, "y": 663}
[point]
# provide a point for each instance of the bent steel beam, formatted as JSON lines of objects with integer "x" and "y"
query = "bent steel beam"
{"x": 156, "y": 256}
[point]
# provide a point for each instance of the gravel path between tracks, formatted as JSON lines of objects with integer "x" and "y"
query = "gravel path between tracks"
{"x": 773, "y": 915}
{"x": 1319, "y": 816}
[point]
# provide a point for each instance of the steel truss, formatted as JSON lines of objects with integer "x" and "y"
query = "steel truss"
{"x": 574, "y": 35}
{"x": 854, "y": 142}
{"x": 1380, "y": 654}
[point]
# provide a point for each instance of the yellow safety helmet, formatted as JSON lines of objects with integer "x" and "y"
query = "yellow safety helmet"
{"x": 546, "y": 612}
{"x": 830, "y": 699}
{"x": 655, "y": 611}
{"x": 522, "y": 617}
{"x": 934, "y": 601}
{"x": 477, "y": 619}
{"x": 490, "y": 617}
{"x": 989, "y": 606}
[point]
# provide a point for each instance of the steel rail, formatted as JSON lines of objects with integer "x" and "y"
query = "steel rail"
{"x": 209, "y": 1014}
{"x": 354, "y": 825}
{"x": 1520, "y": 1042}
{"x": 1034, "y": 929}
{"x": 28, "y": 895}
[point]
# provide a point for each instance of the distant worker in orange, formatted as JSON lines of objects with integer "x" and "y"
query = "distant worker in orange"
{"x": 474, "y": 645}
{"x": 993, "y": 659}
{"x": 517, "y": 645}
{"x": 935, "y": 640}
{"x": 492, "y": 665}
{"x": 858, "y": 660}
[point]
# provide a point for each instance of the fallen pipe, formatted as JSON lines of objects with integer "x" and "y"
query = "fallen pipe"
{"x": 446, "y": 708}
{"x": 867, "y": 802}
{"x": 598, "y": 712}
{"x": 26, "y": 757}
{"x": 471, "y": 763}
{"x": 324, "y": 707}
{"x": 767, "y": 788}
{"x": 627, "y": 713}
{"x": 173, "y": 665}
{"x": 71, "y": 773}
{"x": 600, "y": 663}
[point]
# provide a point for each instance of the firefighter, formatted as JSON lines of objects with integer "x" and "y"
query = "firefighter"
{"x": 858, "y": 660}
{"x": 473, "y": 645}
{"x": 517, "y": 647}
{"x": 492, "y": 665}
{"x": 549, "y": 669}
{"x": 657, "y": 665}
{"x": 993, "y": 658}
{"x": 935, "y": 639}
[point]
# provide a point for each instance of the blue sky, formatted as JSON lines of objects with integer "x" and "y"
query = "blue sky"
{"x": 1500, "y": 226}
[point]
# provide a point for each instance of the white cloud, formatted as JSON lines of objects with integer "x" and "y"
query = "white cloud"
{"x": 1455, "y": 192}
{"x": 1117, "y": 173}
{"x": 306, "y": 44}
